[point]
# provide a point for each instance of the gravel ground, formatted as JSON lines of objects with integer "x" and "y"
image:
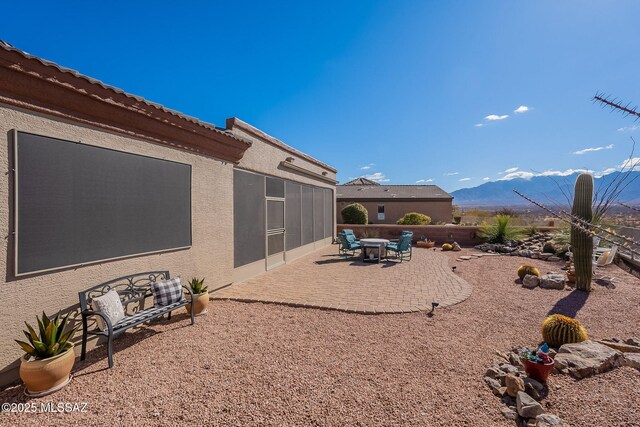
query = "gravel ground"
{"x": 260, "y": 364}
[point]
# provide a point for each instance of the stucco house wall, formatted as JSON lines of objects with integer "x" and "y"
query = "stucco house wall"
{"x": 438, "y": 210}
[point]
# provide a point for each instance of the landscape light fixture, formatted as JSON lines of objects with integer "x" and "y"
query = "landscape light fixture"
{"x": 453, "y": 268}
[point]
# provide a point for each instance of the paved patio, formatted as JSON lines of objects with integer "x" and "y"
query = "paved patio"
{"x": 328, "y": 281}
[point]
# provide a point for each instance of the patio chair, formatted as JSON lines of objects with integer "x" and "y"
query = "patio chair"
{"x": 602, "y": 259}
{"x": 403, "y": 246}
{"x": 348, "y": 243}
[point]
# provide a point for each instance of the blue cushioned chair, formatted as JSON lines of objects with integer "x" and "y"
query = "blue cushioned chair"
{"x": 348, "y": 243}
{"x": 403, "y": 246}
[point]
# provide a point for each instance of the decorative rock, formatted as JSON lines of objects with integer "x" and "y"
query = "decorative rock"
{"x": 494, "y": 384}
{"x": 456, "y": 247}
{"x": 508, "y": 413}
{"x": 538, "y": 386}
{"x": 514, "y": 359}
{"x": 632, "y": 360}
{"x": 535, "y": 255}
{"x": 464, "y": 258}
{"x": 527, "y": 406}
{"x": 553, "y": 259}
{"x": 625, "y": 348}
{"x": 587, "y": 358}
{"x": 514, "y": 385}
{"x": 530, "y": 281}
{"x": 548, "y": 420}
{"x": 633, "y": 341}
{"x": 493, "y": 373}
{"x": 545, "y": 256}
{"x": 531, "y": 391}
{"x": 502, "y": 391}
{"x": 552, "y": 281}
{"x": 509, "y": 369}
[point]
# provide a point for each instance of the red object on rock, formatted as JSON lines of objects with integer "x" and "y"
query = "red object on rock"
{"x": 538, "y": 371}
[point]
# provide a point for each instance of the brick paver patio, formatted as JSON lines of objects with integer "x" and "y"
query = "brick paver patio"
{"x": 325, "y": 280}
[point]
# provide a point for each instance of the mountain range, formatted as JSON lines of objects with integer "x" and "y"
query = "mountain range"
{"x": 547, "y": 190}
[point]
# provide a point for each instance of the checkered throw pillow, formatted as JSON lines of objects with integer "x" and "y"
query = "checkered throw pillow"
{"x": 167, "y": 292}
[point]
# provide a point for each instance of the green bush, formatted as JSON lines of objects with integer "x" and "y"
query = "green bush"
{"x": 500, "y": 230}
{"x": 354, "y": 213}
{"x": 414, "y": 218}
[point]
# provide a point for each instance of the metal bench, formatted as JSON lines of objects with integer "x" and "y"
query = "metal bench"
{"x": 133, "y": 290}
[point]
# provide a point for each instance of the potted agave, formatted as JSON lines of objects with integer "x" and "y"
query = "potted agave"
{"x": 46, "y": 366}
{"x": 200, "y": 296}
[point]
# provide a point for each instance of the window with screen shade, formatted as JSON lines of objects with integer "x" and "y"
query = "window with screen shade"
{"x": 293, "y": 215}
{"x": 248, "y": 217}
{"x": 307, "y": 214}
{"x": 275, "y": 214}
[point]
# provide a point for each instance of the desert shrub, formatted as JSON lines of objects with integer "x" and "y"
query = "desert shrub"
{"x": 530, "y": 230}
{"x": 447, "y": 247}
{"x": 457, "y": 219}
{"x": 354, "y": 213}
{"x": 507, "y": 212}
{"x": 523, "y": 270}
{"x": 500, "y": 230}
{"x": 414, "y": 218}
{"x": 558, "y": 330}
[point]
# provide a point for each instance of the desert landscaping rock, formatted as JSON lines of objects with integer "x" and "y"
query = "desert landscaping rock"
{"x": 531, "y": 391}
{"x": 632, "y": 360}
{"x": 587, "y": 358}
{"x": 508, "y": 413}
{"x": 530, "y": 281}
{"x": 514, "y": 385}
{"x": 620, "y": 346}
{"x": 552, "y": 281}
{"x": 548, "y": 420}
{"x": 527, "y": 406}
{"x": 509, "y": 369}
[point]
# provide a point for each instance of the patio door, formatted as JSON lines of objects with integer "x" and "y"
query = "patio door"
{"x": 275, "y": 232}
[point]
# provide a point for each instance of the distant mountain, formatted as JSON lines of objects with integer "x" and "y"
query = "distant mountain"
{"x": 543, "y": 189}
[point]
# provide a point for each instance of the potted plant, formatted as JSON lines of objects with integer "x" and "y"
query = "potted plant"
{"x": 537, "y": 363}
{"x": 423, "y": 242}
{"x": 200, "y": 296}
{"x": 49, "y": 358}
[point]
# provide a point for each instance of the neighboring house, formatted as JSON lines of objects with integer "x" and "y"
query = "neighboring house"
{"x": 101, "y": 184}
{"x": 386, "y": 204}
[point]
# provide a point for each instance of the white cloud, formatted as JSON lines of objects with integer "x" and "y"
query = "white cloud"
{"x": 520, "y": 174}
{"x": 629, "y": 128}
{"x": 566, "y": 172}
{"x": 632, "y": 163}
{"x": 367, "y": 167}
{"x": 510, "y": 170}
{"x": 479, "y": 125}
{"x": 588, "y": 150}
{"x": 492, "y": 117}
{"x": 464, "y": 179}
{"x": 486, "y": 178}
{"x": 604, "y": 172}
{"x": 452, "y": 173}
{"x": 424, "y": 180}
{"x": 377, "y": 177}
{"x": 521, "y": 109}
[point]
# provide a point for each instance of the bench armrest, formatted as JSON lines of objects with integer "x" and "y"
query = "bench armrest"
{"x": 188, "y": 289}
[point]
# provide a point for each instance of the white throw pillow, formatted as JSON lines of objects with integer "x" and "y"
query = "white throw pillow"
{"x": 110, "y": 305}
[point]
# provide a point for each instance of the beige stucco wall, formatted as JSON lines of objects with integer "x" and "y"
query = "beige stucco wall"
{"x": 212, "y": 229}
{"x": 439, "y": 211}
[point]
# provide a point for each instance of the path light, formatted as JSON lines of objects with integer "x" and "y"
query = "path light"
{"x": 453, "y": 268}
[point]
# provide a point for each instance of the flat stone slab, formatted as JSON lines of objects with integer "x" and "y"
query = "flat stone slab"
{"x": 325, "y": 280}
{"x": 587, "y": 358}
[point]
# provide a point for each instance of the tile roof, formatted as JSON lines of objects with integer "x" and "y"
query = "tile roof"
{"x": 10, "y": 48}
{"x": 403, "y": 192}
{"x": 361, "y": 181}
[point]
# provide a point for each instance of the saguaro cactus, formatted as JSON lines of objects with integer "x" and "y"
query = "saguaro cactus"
{"x": 581, "y": 242}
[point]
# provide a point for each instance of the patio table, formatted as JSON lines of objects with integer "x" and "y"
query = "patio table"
{"x": 371, "y": 245}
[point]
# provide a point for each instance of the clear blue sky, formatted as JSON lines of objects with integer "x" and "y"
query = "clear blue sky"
{"x": 397, "y": 87}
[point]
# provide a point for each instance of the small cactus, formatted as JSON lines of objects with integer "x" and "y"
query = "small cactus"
{"x": 447, "y": 247}
{"x": 558, "y": 330}
{"x": 523, "y": 270}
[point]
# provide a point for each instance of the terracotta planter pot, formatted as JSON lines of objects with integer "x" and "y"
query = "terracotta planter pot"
{"x": 200, "y": 304}
{"x": 45, "y": 376}
{"x": 537, "y": 371}
{"x": 423, "y": 244}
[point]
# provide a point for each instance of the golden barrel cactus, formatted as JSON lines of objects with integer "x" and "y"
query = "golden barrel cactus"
{"x": 523, "y": 270}
{"x": 447, "y": 247}
{"x": 558, "y": 330}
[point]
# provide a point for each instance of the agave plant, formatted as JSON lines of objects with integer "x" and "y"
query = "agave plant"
{"x": 52, "y": 339}
{"x": 197, "y": 286}
{"x": 500, "y": 230}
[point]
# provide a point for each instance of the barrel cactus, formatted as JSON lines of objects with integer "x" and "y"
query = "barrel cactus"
{"x": 558, "y": 330}
{"x": 523, "y": 270}
{"x": 447, "y": 247}
{"x": 581, "y": 242}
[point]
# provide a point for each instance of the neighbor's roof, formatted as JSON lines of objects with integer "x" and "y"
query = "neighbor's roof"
{"x": 400, "y": 192}
{"x": 361, "y": 181}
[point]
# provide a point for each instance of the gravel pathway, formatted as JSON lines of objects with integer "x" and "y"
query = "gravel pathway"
{"x": 259, "y": 364}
